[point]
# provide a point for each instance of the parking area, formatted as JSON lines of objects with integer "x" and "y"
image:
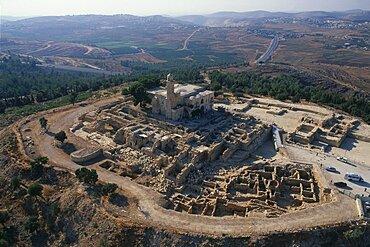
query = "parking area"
{"x": 327, "y": 160}
{"x": 356, "y": 187}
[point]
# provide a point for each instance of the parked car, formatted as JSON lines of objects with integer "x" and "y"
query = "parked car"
{"x": 343, "y": 159}
{"x": 367, "y": 206}
{"x": 331, "y": 169}
{"x": 340, "y": 184}
{"x": 353, "y": 177}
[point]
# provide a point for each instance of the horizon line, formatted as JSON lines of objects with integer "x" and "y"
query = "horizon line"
{"x": 178, "y": 15}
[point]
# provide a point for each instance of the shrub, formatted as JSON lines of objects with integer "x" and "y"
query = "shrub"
{"x": 4, "y": 217}
{"x": 86, "y": 176}
{"x": 3, "y": 243}
{"x": 42, "y": 160}
{"x": 55, "y": 209}
{"x": 35, "y": 189}
{"x": 73, "y": 97}
{"x": 43, "y": 122}
{"x": 36, "y": 169}
{"x": 108, "y": 188}
{"x": 15, "y": 183}
{"x": 32, "y": 224}
{"x": 353, "y": 234}
{"x": 8, "y": 236}
{"x": 60, "y": 136}
{"x": 37, "y": 165}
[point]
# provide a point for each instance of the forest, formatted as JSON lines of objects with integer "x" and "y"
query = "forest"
{"x": 24, "y": 82}
{"x": 285, "y": 87}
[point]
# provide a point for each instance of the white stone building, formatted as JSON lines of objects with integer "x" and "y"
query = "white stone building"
{"x": 178, "y": 101}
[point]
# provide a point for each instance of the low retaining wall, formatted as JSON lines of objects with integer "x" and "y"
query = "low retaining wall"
{"x": 360, "y": 208}
{"x": 86, "y": 154}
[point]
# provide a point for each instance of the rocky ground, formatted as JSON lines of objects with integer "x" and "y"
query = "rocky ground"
{"x": 68, "y": 213}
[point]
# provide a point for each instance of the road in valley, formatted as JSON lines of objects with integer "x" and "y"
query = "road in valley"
{"x": 186, "y": 42}
{"x": 273, "y": 46}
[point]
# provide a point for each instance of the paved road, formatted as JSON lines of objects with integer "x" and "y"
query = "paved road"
{"x": 149, "y": 201}
{"x": 186, "y": 42}
{"x": 273, "y": 45}
{"x": 305, "y": 155}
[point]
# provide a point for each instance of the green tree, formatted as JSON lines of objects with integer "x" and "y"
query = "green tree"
{"x": 138, "y": 92}
{"x": 108, "y": 189}
{"x": 353, "y": 234}
{"x": 2, "y": 107}
{"x": 15, "y": 183}
{"x": 37, "y": 169}
{"x": 37, "y": 166}
{"x": 42, "y": 160}
{"x": 4, "y": 217}
{"x": 87, "y": 176}
{"x": 43, "y": 122}
{"x": 8, "y": 236}
{"x": 35, "y": 190}
{"x": 4, "y": 243}
{"x": 73, "y": 97}
{"x": 60, "y": 136}
{"x": 55, "y": 209}
{"x": 32, "y": 224}
{"x": 150, "y": 81}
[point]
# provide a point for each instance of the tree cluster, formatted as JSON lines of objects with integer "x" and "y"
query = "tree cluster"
{"x": 287, "y": 88}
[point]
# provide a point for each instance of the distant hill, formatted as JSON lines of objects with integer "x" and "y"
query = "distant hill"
{"x": 228, "y": 18}
{"x": 102, "y": 28}
{"x": 5, "y": 18}
{"x": 89, "y": 27}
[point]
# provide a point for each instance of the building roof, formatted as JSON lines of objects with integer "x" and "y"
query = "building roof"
{"x": 183, "y": 89}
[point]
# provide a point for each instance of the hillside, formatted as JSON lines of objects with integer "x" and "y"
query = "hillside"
{"x": 231, "y": 18}
{"x": 70, "y": 213}
{"x": 89, "y": 28}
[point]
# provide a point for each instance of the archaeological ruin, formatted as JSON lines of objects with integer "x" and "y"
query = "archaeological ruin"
{"x": 204, "y": 163}
{"x": 260, "y": 189}
{"x": 330, "y": 130}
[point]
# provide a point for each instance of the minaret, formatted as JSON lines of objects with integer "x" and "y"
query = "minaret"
{"x": 171, "y": 96}
{"x": 170, "y": 91}
{"x": 170, "y": 85}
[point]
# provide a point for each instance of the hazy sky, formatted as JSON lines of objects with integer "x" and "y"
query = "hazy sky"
{"x": 168, "y": 7}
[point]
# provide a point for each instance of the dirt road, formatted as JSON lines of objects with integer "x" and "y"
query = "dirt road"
{"x": 150, "y": 202}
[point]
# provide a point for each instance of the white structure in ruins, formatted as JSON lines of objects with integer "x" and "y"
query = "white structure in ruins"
{"x": 178, "y": 101}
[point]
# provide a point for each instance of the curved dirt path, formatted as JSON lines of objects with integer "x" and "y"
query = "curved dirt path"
{"x": 149, "y": 201}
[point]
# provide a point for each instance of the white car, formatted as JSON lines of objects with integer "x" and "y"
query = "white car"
{"x": 330, "y": 169}
{"x": 367, "y": 206}
{"x": 353, "y": 177}
{"x": 343, "y": 159}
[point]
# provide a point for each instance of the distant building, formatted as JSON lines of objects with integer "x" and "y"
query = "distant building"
{"x": 178, "y": 101}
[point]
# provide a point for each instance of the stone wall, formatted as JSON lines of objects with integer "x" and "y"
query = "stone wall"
{"x": 215, "y": 151}
{"x": 86, "y": 154}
